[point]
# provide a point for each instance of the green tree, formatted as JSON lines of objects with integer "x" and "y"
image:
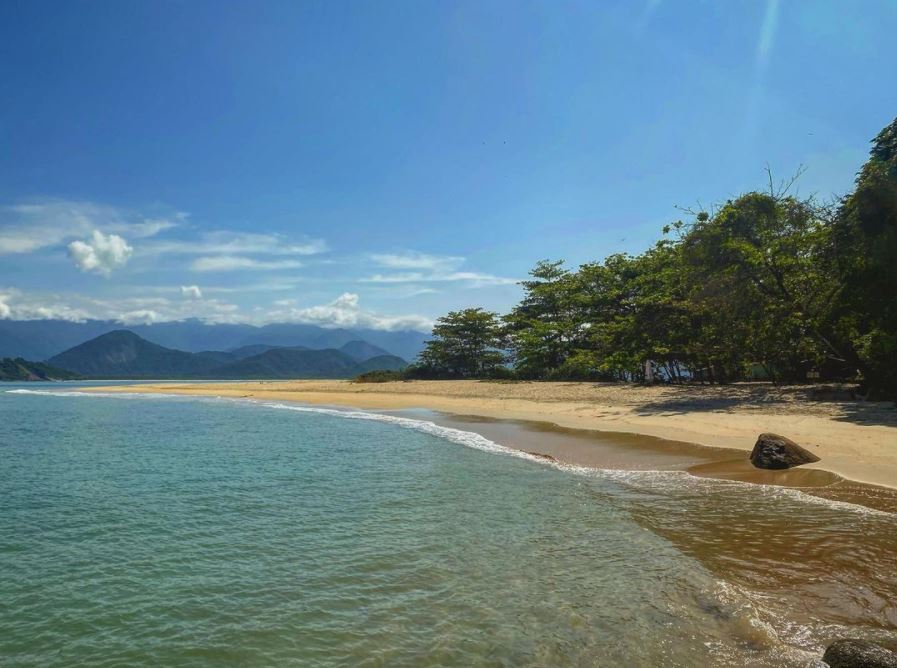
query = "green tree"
{"x": 762, "y": 285}
{"x": 865, "y": 254}
{"x": 465, "y": 344}
{"x": 542, "y": 328}
{"x": 767, "y": 280}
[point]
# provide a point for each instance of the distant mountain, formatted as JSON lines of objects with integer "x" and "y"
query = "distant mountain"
{"x": 292, "y": 363}
{"x": 217, "y": 357}
{"x": 123, "y": 354}
{"x": 257, "y": 349}
{"x": 405, "y": 344}
{"x": 42, "y": 339}
{"x": 19, "y": 369}
{"x": 362, "y": 350}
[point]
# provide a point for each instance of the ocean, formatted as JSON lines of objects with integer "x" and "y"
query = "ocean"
{"x": 148, "y": 530}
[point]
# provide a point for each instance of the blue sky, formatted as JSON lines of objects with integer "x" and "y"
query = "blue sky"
{"x": 378, "y": 163}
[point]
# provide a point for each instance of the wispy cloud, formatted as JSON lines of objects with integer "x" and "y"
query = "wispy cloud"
{"x": 29, "y": 227}
{"x": 223, "y": 242}
{"x": 413, "y": 260}
{"x": 20, "y": 305}
{"x": 768, "y": 31}
{"x": 473, "y": 277}
{"x": 426, "y": 268}
{"x": 345, "y": 311}
{"x": 240, "y": 263}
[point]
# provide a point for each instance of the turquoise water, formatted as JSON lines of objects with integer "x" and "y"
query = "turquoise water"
{"x": 164, "y": 531}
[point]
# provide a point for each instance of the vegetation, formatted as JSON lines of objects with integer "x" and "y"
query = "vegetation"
{"x": 380, "y": 376}
{"x": 768, "y": 285}
{"x": 465, "y": 344}
{"x": 18, "y": 369}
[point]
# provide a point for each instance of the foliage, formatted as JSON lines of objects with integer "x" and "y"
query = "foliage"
{"x": 465, "y": 344}
{"x": 18, "y": 369}
{"x": 865, "y": 250}
{"x": 379, "y": 376}
{"x": 767, "y": 285}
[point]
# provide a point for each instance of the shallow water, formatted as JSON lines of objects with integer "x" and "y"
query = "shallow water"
{"x": 179, "y": 531}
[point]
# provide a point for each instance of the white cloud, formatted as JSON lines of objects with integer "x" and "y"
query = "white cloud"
{"x": 414, "y": 260}
{"x": 16, "y": 305}
{"x": 346, "y": 311}
{"x": 191, "y": 292}
{"x": 476, "y": 279}
{"x": 20, "y": 305}
{"x": 239, "y": 263}
{"x": 150, "y": 228}
{"x": 101, "y": 254}
{"x": 25, "y": 228}
{"x": 423, "y": 268}
{"x": 222, "y": 242}
{"x": 139, "y": 317}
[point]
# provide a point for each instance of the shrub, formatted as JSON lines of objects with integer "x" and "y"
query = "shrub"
{"x": 379, "y": 376}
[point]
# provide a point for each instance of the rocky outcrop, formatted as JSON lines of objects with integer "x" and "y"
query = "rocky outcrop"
{"x": 772, "y": 451}
{"x": 859, "y": 654}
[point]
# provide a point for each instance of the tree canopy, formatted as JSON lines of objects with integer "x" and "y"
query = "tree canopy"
{"x": 768, "y": 285}
{"x": 465, "y": 344}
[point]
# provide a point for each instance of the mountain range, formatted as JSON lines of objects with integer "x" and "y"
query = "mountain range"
{"x": 124, "y": 354}
{"x": 42, "y": 339}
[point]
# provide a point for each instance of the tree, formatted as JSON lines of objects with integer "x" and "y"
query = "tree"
{"x": 760, "y": 277}
{"x": 768, "y": 280}
{"x": 465, "y": 344}
{"x": 542, "y": 328}
{"x": 865, "y": 254}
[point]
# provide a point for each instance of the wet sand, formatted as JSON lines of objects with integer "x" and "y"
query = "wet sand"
{"x": 855, "y": 440}
{"x": 631, "y": 452}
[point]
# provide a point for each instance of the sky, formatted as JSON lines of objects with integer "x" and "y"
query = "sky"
{"x": 376, "y": 164}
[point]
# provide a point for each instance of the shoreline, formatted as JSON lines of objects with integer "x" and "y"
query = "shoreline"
{"x": 849, "y": 450}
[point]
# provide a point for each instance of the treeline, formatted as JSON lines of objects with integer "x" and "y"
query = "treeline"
{"x": 769, "y": 285}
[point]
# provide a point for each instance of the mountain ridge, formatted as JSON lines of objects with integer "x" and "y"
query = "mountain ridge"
{"x": 124, "y": 354}
{"x": 42, "y": 339}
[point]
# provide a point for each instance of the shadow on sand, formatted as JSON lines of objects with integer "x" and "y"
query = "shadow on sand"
{"x": 811, "y": 399}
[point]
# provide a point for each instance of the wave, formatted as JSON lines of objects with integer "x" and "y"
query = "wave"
{"x": 646, "y": 479}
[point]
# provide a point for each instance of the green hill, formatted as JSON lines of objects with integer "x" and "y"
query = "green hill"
{"x": 18, "y": 369}
{"x": 123, "y": 354}
{"x": 362, "y": 350}
{"x": 291, "y": 363}
{"x": 383, "y": 363}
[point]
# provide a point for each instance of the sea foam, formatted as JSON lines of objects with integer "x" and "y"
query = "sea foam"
{"x": 644, "y": 479}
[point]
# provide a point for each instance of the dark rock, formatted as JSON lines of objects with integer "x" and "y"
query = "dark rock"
{"x": 859, "y": 654}
{"x": 772, "y": 451}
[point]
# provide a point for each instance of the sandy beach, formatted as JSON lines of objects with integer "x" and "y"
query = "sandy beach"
{"x": 856, "y": 440}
